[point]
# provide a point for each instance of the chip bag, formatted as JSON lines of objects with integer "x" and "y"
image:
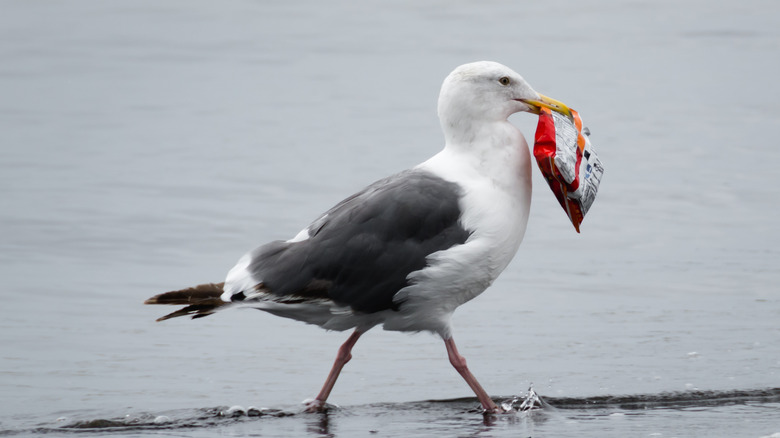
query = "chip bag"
{"x": 568, "y": 162}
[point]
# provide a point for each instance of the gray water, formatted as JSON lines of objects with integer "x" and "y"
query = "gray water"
{"x": 145, "y": 145}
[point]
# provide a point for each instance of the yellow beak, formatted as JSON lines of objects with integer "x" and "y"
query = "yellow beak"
{"x": 547, "y": 102}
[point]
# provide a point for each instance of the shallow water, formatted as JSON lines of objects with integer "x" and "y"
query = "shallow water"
{"x": 146, "y": 146}
{"x": 605, "y": 416}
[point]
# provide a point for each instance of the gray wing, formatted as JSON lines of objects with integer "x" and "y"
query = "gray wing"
{"x": 360, "y": 252}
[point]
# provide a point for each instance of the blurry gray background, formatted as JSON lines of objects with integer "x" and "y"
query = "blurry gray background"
{"x": 145, "y": 146}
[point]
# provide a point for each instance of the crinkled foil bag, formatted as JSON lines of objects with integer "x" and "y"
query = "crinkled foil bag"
{"x": 568, "y": 162}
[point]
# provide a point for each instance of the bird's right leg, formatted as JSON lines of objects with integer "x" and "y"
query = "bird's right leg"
{"x": 343, "y": 356}
{"x": 459, "y": 362}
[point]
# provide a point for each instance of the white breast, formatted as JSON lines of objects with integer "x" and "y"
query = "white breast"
{"x": 496, "y": 202}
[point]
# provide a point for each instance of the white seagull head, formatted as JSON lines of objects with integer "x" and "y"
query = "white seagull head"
{"x": 485, "y": 92}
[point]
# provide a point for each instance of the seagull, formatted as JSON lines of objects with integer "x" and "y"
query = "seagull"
{"x": 407, "y": 250}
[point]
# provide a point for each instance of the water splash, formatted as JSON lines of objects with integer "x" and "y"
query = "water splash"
{"x": 527, "y": 402}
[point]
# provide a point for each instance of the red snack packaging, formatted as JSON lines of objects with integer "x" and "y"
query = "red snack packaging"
{"x": 568, "y": 162}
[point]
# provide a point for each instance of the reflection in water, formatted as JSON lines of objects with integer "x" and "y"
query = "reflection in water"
{"x": 320, "y": 424}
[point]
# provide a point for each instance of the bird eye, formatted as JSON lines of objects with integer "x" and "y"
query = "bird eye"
{"x": 503, "y": 80}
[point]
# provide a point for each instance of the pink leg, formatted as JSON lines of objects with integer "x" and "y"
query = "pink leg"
{"x": 343, "y": 356}
{"x": 459, "y": 362}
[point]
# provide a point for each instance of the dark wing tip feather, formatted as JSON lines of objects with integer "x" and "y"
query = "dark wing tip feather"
{"x": 197, "y": 311}
{"x": 200, "y": 294}
{"x": 199, "y": 301}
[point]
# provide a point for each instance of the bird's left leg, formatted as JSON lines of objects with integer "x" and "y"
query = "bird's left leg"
{"x": 459, "y": 362}
{"x": 343, "y": 356}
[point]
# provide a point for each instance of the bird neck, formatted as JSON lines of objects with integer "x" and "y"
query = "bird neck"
{"x": 479, "y": 137}
{"x": 498, "y": 153}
